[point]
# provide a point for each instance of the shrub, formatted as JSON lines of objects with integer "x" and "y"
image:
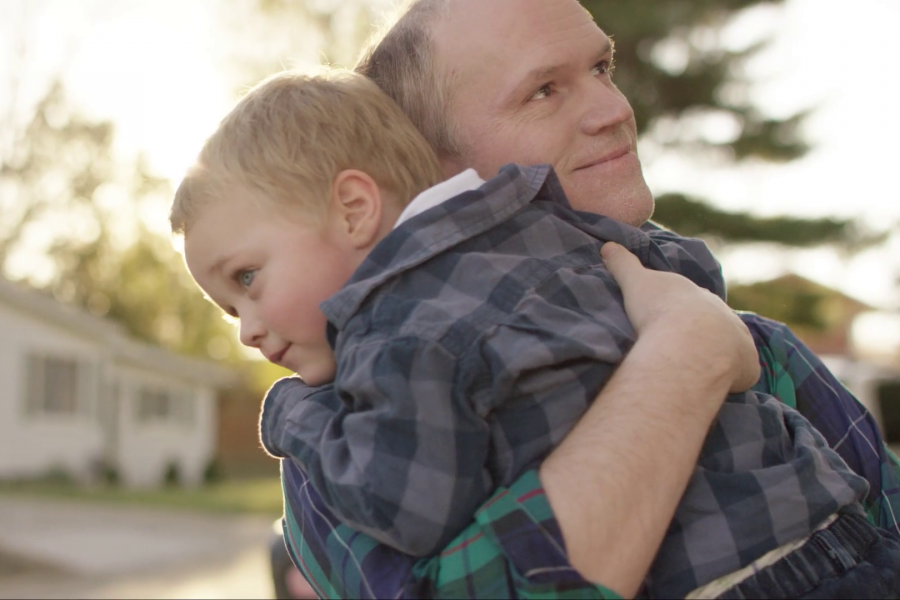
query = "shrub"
{"x": 172, "y": 477}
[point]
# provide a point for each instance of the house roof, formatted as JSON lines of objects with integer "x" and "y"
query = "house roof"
{"x": 112, "y": 335}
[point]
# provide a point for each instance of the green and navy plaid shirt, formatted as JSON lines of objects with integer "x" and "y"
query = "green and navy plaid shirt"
{"x": 293, "y": 429}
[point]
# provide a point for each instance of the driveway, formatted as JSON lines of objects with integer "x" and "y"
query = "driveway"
{"x": 61, "y": 549}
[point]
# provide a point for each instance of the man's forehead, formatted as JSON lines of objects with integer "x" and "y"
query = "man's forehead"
{"x": 499, "y": 46}
{"x": 522, "y": 34}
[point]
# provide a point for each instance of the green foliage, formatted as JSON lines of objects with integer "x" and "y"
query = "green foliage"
{"x": 172, "y": 475}
{"x": 212, "y": 473}
{"x": 675, "y": 70}
{"x": 109, "y": 475}
{"x": 812, "y": 310}
{"x": 671, "y": 64}
{"x": 152, "y": 293}
{"x": 673, "y": 67}
{"x": 57, "y": 179}
{"x": 55, "y": 166}
{"x": 692, "y": 217}
{"x": 56, "y": 475}
{"x": 799, "y": 309}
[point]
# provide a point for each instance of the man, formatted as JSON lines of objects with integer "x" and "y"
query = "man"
{"x": 528, "y": 81}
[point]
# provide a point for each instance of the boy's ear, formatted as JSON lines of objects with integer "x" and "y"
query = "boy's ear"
{"x": 357, "y": 205}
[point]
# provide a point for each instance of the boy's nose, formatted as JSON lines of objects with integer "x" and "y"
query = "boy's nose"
{"x": 252, "y": 332}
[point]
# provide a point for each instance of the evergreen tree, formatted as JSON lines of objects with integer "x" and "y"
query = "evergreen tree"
{"x": 670, "y": 63}
{"x": 672, "y": 66}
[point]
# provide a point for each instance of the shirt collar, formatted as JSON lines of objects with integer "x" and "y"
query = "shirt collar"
{"x": 453, "y": 220}
{"x": 433, "y": 231}
{"x": 456, "y": 185}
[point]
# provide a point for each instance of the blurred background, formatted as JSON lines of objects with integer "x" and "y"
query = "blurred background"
{"x": 129, "y": 459}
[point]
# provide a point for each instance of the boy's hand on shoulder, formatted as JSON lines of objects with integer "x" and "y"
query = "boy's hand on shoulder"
{"x": 690, "y": 318}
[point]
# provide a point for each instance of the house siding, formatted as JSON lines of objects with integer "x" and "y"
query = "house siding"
{"x": 33, "y": 444}
{"x": 148, "y": 447}
{"x": 46, "y": 348}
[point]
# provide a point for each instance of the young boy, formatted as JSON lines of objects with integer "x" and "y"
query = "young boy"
{"x": 447, "y": 344}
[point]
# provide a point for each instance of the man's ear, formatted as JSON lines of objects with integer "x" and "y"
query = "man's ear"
{"x": 356, "y": 207}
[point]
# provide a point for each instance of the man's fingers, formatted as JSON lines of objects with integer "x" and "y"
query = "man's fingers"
{"x": 619, "y": 261}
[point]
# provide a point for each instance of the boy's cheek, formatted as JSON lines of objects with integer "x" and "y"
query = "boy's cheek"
{"x": 294, "y": 322}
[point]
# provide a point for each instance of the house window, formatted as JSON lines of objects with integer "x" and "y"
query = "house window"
{"x": 53, "y": 385}
{"x": 160, "y": 404}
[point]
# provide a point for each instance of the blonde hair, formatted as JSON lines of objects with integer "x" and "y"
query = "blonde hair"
{"x": 401, "y": 61}
{"x": 293, "y": 133}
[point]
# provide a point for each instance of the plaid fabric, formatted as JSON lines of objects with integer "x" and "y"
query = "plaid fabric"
{"x": 798, "y": 378}
{"x": 512, "y": 549}
{"x": 342, "y": 563}
{"x": 407, "y": 479}
{"x": 468, "y": 344}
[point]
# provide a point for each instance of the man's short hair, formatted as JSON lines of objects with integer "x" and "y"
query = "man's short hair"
{"x": 401, "y": 61}
{"x": 293, "y": 133}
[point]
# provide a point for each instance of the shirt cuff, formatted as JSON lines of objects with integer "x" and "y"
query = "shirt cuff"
{"x": 281, "y": 397}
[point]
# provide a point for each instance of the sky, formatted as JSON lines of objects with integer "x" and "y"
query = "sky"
{"x": 156, "y": 68}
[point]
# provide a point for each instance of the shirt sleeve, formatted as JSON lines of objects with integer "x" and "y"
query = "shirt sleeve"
{"x": 512, "y": 548}
{"x": 797, "y": 377}
{"x": 393, "y": 446}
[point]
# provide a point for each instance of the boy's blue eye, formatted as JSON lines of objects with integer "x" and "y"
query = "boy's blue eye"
{"x": 245, "y": 278}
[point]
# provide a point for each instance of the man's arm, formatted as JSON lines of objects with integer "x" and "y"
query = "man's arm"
{"x": 615, "y": 481}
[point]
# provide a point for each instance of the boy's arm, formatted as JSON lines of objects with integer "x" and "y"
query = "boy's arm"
{"x": 391, "y": 447}
{"x": 514, "y": 548}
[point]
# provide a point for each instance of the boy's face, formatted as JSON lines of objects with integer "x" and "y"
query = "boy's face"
{"x": 271, "y": 272}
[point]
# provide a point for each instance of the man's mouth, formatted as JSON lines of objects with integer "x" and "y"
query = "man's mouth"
{"x": 605, "y": 158}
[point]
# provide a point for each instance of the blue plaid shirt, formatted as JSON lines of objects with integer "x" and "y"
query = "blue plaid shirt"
{"x": 468, "y": 345}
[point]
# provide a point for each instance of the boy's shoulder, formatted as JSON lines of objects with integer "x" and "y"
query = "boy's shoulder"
{"x": 472, "y": 257}
{"x": 451, "y": 241}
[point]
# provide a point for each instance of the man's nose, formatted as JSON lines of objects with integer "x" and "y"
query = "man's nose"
{"x": 604, "y": 107}
{"x": 252, "y": 331}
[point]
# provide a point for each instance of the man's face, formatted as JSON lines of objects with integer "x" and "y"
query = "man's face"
{"x": 271, "y": 273}
{"x": 531, "y": 84}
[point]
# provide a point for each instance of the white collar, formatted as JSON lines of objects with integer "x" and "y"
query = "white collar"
{"x": 433, "y": 196}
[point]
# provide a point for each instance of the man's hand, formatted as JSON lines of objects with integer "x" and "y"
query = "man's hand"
{"x": 693, "y": 317}
{"x": 614, "y": 482}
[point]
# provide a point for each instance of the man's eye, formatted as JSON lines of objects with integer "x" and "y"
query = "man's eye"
{"x": 245, "y": 278}
{"x": 543, "y": 92}
{"x": 604, "y": 67}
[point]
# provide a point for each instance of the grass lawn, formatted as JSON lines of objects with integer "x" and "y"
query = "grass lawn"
{"x": 257, "y": 496}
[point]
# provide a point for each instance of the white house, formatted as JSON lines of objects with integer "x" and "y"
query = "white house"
{"x": 77, "y": 392}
